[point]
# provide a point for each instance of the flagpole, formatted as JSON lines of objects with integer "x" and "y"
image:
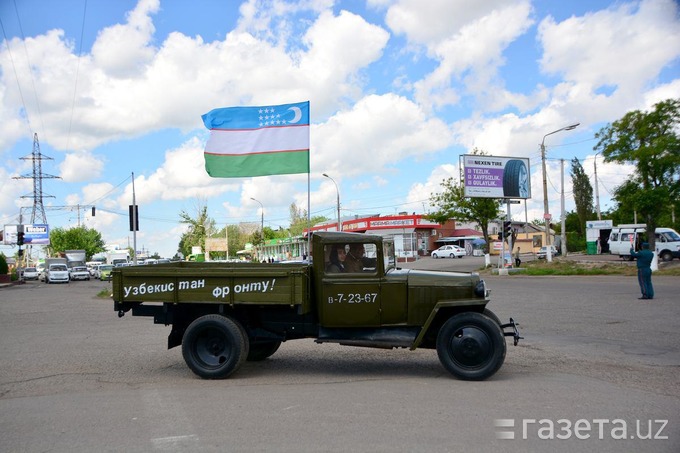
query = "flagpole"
{"x": 309, "y": 186}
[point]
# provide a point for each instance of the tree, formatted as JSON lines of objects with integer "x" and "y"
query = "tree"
{"x": 583, "y": 194}
{"x": 649, "y": 141}
{"x": 236, "y": 238}
{"x": 77, "y": 238}
{"x": 453, "y": 204}
{"x": 199, "y": 228}
{"x": 299, "y": 222}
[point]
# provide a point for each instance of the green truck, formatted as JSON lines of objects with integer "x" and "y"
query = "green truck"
{"x": 223, "y": 314}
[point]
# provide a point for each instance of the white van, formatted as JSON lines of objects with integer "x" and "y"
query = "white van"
{"x": 623, "y": 237}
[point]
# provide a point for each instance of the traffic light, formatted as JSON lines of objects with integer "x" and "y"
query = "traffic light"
{"x": 93, "y": 211}
{"x": 507, "y": 228}
{"x": 20, "y": 238}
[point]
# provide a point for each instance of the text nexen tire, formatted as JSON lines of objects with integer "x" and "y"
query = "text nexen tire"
{"x": 214, "y": 346}
{"x": 471, "y": 346}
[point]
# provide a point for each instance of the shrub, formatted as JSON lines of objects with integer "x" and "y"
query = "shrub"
{"x": 4, "y": 268}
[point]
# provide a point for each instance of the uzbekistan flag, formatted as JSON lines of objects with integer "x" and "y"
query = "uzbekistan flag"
{"x": 257, "y": 141}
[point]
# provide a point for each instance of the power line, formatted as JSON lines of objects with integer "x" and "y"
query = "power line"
{"x": 16, "y": 76}
{"x": 75, "y": 86}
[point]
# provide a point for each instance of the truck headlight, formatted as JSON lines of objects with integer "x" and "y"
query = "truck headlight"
{"x": 480, "y": 289}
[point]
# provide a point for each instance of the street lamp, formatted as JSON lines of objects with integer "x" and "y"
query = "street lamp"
{"x": 261, "y": 218}
{"x": 546, "y": 212}
{"x": 597, "y": 190}
{"x": 338, "y": 192}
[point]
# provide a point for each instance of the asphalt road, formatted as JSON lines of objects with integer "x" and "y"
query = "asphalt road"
{"x": 597, "y": 371}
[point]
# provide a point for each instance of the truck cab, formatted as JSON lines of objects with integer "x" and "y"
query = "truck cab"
{"x": 369, "y": 301}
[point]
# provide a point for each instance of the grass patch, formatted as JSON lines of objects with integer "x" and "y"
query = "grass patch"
{"x": 570, "y": 267}
{"x": 541, "y": 267}
{"x": 104, "y": 293}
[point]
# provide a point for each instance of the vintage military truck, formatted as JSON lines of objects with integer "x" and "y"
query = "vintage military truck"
{"x": 225, "y": 313}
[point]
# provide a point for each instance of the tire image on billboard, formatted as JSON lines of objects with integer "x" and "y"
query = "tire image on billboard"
{"x": 516, "y": 179}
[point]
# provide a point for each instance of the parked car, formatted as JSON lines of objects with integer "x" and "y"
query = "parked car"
{"x": 79, "y": 273}
{"x": 30, "y": 273}
{"x": 105, "y": 271}
{"x": 448, "y": 251}
{"x": 543, "y": 251}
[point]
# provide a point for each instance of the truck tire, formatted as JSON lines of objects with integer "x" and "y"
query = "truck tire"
{"x": 214, "y": 346}
{"x": 492, "y": 315}
{"x": 666, "y": 255}
{"x": 471, "y": 346}
{"x": 261, "y": 351}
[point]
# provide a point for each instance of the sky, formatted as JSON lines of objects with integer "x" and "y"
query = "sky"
{"x": 398, "y": 91}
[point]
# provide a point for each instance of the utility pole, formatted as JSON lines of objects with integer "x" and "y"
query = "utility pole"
{"x": 564, "y": 216}
{"x": 546, "y": 211}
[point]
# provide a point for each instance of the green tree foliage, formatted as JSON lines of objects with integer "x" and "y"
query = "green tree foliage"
{"x": 649, "y": 141}
{"x": 199, "y": 227}
{"x": 78, "y": 238}
{"x": 299, "y": 222}
{"x": 4, "y": 268}
{"x": 583, "y": 194}
{"x": 452, "y": 203}
{"x": 236, "y": 239}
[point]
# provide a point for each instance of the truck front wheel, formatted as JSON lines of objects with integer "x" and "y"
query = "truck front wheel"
{"x": 471, "y": 346}
{"x": 214, "y": 346}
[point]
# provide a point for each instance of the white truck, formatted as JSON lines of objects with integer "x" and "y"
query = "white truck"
{"x": 118, "y": 257}
{"x": 75, "y": 258}
{"x": 623, "y": 237}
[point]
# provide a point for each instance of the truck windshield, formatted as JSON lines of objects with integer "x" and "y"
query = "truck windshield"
{"x": 670, "y": 236}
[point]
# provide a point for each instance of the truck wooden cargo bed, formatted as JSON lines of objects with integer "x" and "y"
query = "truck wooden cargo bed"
{"x": 213, "y": 283}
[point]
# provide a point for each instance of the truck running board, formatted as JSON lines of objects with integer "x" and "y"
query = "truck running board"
{"x": 385, "y": 338}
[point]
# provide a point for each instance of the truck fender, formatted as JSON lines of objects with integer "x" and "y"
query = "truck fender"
{"x": 458, "y": 305}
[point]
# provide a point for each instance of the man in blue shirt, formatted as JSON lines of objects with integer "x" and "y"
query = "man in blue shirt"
{"x": 644, "y": 270}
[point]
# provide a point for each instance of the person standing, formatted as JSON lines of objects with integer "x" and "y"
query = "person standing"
{"x": 518, "y": 261}
{"x": 644, "y": 270}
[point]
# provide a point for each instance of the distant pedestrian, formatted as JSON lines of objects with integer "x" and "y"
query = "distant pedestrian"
{"x": 644, "y": 270}
{"x": 518, "y": 261}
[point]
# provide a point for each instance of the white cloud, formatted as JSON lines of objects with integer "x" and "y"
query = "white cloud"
{"x": 387, "y": 128}
{"x": 77, "y": 167}
{"x": 127, "y": 87}
{"x": 466, "y": 39}
{"x": 181, "y": 176}
{"x": 123, "y": 50}
{"x": 622, "y": 47}
{"x": 419, "y": 193}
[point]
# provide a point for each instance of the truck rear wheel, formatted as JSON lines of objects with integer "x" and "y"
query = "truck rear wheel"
{"x": 471, "y": 346}
{"x": 214, "y": 346}
{"x": 260, "y": 351}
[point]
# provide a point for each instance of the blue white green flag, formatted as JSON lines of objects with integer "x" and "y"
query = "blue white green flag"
{"x": 257, "y": 141}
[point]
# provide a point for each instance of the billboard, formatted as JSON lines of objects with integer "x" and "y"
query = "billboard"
{"x": 37, "y": 234}
{"x": 496, "y": 177}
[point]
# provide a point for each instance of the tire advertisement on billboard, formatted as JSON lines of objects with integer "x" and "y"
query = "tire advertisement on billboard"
{"x": 496, "y": 177}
